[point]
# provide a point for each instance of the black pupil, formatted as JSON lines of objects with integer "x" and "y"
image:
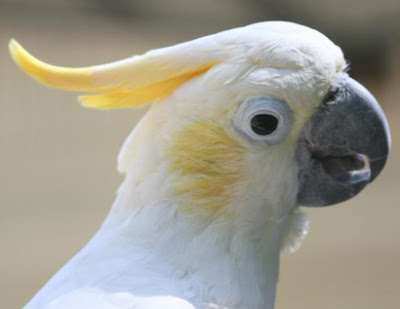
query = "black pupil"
{"x": 264, "y": 124}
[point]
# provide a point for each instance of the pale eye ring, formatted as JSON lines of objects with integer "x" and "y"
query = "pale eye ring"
{"x": 263, "y": 121}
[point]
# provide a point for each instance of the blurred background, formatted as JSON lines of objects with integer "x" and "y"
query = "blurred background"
{"x": 58, "y": 161}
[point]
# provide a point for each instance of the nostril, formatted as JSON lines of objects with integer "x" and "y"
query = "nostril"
{"x": 331, "y": 95}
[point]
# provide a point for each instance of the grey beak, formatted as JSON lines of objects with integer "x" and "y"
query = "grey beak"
{"x": 344, "y": 145}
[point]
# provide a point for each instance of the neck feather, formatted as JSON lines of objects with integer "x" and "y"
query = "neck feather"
{"x": 232, "y": 260}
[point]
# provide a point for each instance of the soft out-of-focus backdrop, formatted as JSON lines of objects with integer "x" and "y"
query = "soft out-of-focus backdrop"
{"x": 57, "y": 160}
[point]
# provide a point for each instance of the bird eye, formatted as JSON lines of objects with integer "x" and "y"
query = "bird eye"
{"x": 263, "y": 120}
{"x": 264, "y": 124}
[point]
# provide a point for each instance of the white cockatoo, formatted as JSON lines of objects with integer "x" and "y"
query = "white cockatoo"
{"x": 246, "y": 125}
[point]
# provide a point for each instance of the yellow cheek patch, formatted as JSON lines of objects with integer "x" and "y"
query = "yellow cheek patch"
{"x": 209, "y": 164}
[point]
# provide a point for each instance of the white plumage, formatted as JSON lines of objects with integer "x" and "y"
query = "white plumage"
{"x": 203, "y": 213}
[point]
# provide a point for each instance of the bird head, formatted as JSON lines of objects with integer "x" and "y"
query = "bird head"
{"x": 248, "y": 123}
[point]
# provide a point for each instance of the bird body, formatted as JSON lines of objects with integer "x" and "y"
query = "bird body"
{"x": 210, "y": 196}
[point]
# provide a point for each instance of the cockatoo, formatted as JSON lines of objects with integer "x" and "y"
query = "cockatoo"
{"x": 245, "y": 126}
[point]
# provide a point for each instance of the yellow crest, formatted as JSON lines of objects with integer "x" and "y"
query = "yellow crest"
{"x": 132, "y": 82}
